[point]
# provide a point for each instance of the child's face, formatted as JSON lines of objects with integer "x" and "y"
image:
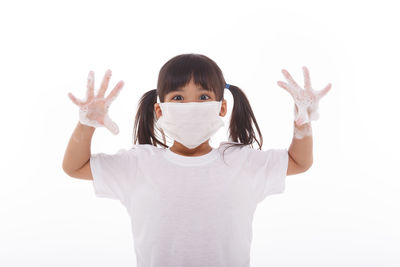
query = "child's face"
{"x": 190, "y": 93}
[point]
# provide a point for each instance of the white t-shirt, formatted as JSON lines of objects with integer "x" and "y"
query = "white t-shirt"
{"x": 190, "y": 211}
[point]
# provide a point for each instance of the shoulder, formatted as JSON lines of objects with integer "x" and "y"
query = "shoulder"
{"x": 233, "y": 152}
{"x": 253, "y": 156}
{"x": 143, "y": 150}
{"x": 231, "y": 147}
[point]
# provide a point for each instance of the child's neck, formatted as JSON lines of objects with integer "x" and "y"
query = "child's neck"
{"x": 180, "y": 149}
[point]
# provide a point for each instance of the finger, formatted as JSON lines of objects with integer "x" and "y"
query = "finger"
{"x": 307, "y": 81}
{"x": 286, "y": 87}
{"x": 104, "y": 83}
{"x": 110, "y": 125}
{"x": 75, "y": 100}
{"x": 289, "y": 78}
{"x": 324, "y": 91}
{"x": 115, "y": 92}
{"x": 302, "y": 116}
{"x": 90, "y": 86}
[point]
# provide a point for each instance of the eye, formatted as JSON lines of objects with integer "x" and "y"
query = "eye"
{"x": 207, "y": 96}
{"x": 176, "y": 96}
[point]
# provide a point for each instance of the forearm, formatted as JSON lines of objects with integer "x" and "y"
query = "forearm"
{"x": 301, "y": 150}
{"x": 78, "y": 150}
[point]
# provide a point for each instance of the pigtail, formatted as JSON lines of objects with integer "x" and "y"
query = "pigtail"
{"x": 145, "y": 120}
{"x": 240, "y": 127}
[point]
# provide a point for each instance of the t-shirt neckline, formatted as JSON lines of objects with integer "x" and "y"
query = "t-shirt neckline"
{"x": 190, "y": 161}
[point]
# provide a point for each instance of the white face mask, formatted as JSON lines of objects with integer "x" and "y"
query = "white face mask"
{"x": 190, "y": 123}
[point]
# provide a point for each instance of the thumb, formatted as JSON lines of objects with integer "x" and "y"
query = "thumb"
{"x": 110, "y": 125}
{"x": 301, "y": 116}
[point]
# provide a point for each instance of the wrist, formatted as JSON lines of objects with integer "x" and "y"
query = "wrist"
{"x": 302, "y": 131}
{"x": 85, "y": 127}
{"x": 303, "y": 126}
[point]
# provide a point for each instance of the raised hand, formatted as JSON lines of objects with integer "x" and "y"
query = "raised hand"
{"x": 93, "y": 111}
{"x": 306, "y": 101}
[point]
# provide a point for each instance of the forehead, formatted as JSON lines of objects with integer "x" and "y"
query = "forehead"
{"x": 192, "y": 86}
{"x": 198, "y": 88}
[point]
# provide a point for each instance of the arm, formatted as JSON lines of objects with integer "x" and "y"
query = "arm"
{"x": 93, "y": 113}
{"x": 301, "y": 150}
{"x": 306, "y": 110}
{"x": 77, "y": 153}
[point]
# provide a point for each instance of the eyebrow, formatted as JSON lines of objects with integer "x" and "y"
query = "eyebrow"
{"x": 200, "y": 89}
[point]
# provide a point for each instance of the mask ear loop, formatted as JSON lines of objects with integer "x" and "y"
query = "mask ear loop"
{"x": 161, "y": 130}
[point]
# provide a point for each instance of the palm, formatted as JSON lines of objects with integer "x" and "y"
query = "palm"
{"x": 93, "y": 111}
{"x": 96, "y": 109}
{"x": 306, "y": 100}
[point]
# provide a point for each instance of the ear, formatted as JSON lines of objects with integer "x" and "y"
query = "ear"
{"x": 223, "y": 108}
{"x": 157, "y": 110}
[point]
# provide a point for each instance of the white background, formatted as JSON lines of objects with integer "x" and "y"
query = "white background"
{"x": 344, "y": 211}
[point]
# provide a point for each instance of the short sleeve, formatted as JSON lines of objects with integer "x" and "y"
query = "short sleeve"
{"x": 271, "y": 172}
{"x": 113, "y": 174}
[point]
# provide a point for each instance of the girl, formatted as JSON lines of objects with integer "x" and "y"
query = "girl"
{"x": 190, "y": 204}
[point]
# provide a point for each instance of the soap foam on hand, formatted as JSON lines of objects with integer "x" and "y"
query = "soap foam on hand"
{"x": 93, "y": 111}
{"x": 301, "y": 131}
{"x": 306, "y": 100}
